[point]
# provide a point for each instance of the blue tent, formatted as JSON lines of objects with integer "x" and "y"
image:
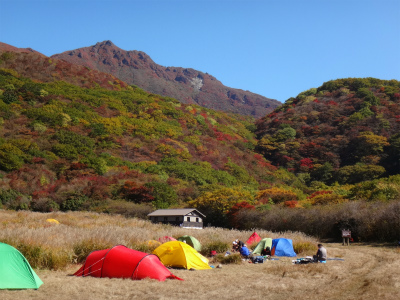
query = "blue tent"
{"x": 282, "y": 247}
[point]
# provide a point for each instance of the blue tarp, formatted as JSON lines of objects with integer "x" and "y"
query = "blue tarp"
{"x": 282, "y": 247}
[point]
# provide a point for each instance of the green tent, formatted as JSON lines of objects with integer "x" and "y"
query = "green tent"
{"x": 15, "y": 271}
{"x": 190, "y": 240}
{"x": 264, "y": 243}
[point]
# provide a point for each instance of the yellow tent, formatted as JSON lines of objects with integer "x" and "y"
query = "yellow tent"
{"x": 181, "y": 255}
{"x": 53, "y": 221}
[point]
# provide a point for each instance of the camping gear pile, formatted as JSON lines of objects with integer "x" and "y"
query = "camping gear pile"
{"x": 304, "y": 260}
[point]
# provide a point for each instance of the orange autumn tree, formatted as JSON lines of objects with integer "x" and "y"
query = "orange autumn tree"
{"x": 217, "y": 203}
{"x": 276, "y": 195}
{"x": 234, "y": 211}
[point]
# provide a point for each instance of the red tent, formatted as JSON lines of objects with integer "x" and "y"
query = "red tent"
{"x": 165, "y": 239}
{"x": 122, "y": 262}
{"x": 254, "y": 238}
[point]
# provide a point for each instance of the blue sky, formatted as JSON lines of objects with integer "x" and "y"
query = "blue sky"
{"x": 276, "y": 48}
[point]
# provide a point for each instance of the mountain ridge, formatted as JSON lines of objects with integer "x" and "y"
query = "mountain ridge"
{"x": 7, "y": 47}
{"x": 35, "y": 65}
{"x": 187, "y": 85}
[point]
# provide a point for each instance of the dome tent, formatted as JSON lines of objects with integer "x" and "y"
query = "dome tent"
{"x": 263, "y": 244}
{"x": 282, "y": 247}
{"x": 15, "y": 270}
{"x": 191, "y": 240}
{"x": 180, "y": 255}
{"x": 122, "y": 262}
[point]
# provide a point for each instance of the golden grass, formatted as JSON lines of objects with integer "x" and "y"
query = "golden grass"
{"x": 79, "y": 233}
{"x": 368, "y": 272}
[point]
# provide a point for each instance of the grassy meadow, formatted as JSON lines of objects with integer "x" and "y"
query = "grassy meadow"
{"x": 367, "y": 272}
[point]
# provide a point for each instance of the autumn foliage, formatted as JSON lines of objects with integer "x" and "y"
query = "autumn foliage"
{"x": 118, "y": 149}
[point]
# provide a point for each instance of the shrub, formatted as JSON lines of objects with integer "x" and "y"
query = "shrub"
{"x": 277, "y": 195}
{"x": 291, "y": 203}
{"x": 65, "y": 151}
{"x": 147, "y": 247}
{"x": 325, "y": 197}
{"x": 44, "y": 205}
{"x": 11, "y": 158}
{"x": 304, "y": 247}
{"x": 8, "y": 196}
{"x": 39, "y": 127}
{"x": 382, "y": 190}
{"x": 234, "y": 258}
{"x": 216, "y": 246}
{"x": 359, "y": 172}
{"x": 96, "y": 163}
{"x": 43, "y": 258}
{"x": 82, "y": 249}
{"x": 368, "y": 96}
{"x": 73, "y": 202}
{"x": 97, "y": 129}
{"x": 76, "y": 140}
{"x": 137, "y": 194}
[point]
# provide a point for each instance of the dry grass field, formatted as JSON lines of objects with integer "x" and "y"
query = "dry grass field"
{"x": 367, "y": 272}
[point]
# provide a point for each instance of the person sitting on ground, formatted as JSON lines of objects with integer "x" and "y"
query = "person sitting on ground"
{"x": 235, "y": 247}
{"x": 266, "y": 251}
{"x": 240, "y": 243}
{"x": 321, "y": 254}
{"x": 244, "y": 251}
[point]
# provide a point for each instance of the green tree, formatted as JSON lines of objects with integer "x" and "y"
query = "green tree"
{"x": 322, "y": 173}
{"x": 368, "y": 143}
{"x": 11, "y": 157}
{"x": 358, "y": 173}
{"x": 164, "y": 195}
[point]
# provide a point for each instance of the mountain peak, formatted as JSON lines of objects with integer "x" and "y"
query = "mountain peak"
{"x": 136, "y": 67}
{"x": 105, "y": 43}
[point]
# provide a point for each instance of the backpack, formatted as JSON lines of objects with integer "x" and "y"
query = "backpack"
{"x": 257, "y": 259}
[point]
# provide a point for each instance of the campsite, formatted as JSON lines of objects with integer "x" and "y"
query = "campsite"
{"x": 367, "y": 271}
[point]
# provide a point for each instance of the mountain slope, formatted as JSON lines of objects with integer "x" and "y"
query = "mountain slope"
{"x": 34, "y": 65}
{"x": 70, "y": 147}
{"x": 6, "y": 47}
{"x": 186, "y": 85}
{"x": 347, "y": 130}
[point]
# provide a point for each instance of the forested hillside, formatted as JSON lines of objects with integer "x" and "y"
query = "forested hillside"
{"x": 345, "y": 131}
{"x": 68, "y": 147}
{"x": 76, "y": 139}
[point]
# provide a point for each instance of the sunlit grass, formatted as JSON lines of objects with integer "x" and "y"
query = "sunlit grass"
{"x": 53, "y": 246}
